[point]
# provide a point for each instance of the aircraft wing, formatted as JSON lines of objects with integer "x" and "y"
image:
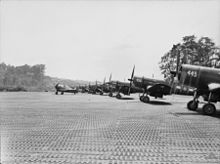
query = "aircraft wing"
{"x": 159, "y": 88}
{"x": 69, "y": 88}
{"x": 214, "y": 86}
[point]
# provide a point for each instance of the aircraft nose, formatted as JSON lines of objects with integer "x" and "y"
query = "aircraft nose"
{"x": 136, "y": 81}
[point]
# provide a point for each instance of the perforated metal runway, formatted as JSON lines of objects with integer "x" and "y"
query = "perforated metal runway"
{"x": 46, "y": 128}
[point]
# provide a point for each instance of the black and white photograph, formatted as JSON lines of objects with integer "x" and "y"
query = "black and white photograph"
{"x": 110, "y": 81}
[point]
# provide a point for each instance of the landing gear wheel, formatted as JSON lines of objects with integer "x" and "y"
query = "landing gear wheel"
{"x": 118, "y": 96}
{"x": 101, "y": 93}
{"x": 146, "y": 99}
{"x": 141, "y": 98}
{"x": 110, "y": 94}
{"x": 56, "y": 92}
{"x": 62, "y": 93}
{"x": 192, "y": 105}
{"x": 209, "y": 109}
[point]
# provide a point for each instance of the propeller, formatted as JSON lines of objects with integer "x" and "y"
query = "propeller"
{"x": 104, "y": 81}
{"x": 131, "y": 79}
{"x": 110, "y": 78}
{"x": 103, "y": 85}
{"x": 176, "y": 73}
{"x": 109, "y": 82}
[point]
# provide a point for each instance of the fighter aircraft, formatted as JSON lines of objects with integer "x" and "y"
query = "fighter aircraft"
{"x": 106, "y": 87}
{"x": 119, "y": 87}
{"x": 64, "y": 88}
{"x": 151, "y": 87}
{"x": 94, "y": 89}
{"x": 206, "y": 80}
{"x": 83, "y": 88}
{"x": 124, "y": 88}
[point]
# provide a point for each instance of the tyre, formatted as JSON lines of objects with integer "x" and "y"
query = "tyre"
{"x": 118, "y": 96}
{"x": 192, "y": 105}
{"x": 146, "y": 99}
{"x": 141, "y": 98}
{"x": 209, "y": 109}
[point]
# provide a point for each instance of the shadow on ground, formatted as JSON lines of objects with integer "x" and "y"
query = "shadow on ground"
{"x": 159, "y": 103}
{"x": 197, "y": 112}
{"x": 126, "y": 98}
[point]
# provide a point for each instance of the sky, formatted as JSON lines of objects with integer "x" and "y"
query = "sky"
{"x": 88, "y": 40}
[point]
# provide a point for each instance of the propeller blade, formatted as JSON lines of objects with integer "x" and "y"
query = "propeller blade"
{"x": 177, "y": 63}
{"x": 132, "y": 75}
{"x": 175, "y": 73}
{"x": 104, "y": 81}
{"x": 131, "y": 79}
{"x": 110, "y": 77}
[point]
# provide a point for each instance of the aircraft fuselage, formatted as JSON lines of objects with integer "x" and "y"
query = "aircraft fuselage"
{"x": 198, "y": 76}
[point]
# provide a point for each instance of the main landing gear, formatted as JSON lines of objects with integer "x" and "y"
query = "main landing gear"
{"x": 144, "y": 98}
{"x": 110, "y": 94}
{"x": 208, "y": 109}
{"x": 193, "y": 104}
{"x": 58, "y": 93}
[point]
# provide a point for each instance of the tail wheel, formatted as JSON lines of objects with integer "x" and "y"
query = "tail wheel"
{"x": 209, "y": 109}
{"x": 192, "y": 105}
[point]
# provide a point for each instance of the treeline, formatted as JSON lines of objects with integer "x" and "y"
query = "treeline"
{"x": 202, "y": 51}
{"x": 30, "y": 78}
{"x": 23, "y": 77}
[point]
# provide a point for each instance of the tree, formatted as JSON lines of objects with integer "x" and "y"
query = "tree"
{"x": 202, "y": 52}
{"x": 3, "y": 70}
{"x": 22, "y": 76}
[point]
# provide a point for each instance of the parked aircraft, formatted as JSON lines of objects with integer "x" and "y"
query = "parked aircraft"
{"x": 206, "y": 80}
{"x": 64, "y": 88}
{"x": 95, "y": 88}
{"x": 124, "y": 88}
{"x": 83, "y": 88}
{"x": 151, "y": 87}
{"x": 119, "y": 87}
{"x": 106, "y": 87}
